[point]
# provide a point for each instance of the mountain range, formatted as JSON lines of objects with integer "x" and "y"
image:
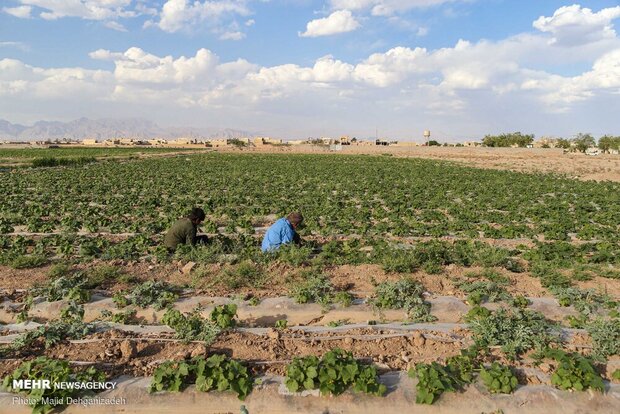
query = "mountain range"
{"x": 101, "y": 129}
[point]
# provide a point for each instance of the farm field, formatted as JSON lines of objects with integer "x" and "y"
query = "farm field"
{"x": 422, "y": 285}
{"x": 34, "y": 156}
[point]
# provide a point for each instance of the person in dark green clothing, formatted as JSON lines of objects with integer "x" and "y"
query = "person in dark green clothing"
{"x": 184, "y": 230}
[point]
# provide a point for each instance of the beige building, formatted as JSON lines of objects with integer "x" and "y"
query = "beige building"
{"x": 218, "y": 143}
{"x": 90, "y": 142}
{"x": 158, "y": 141}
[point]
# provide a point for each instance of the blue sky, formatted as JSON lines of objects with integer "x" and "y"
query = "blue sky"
{"x": 302, "y": 68}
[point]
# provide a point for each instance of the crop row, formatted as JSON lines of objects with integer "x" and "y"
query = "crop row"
{"x": 363, "y": 195}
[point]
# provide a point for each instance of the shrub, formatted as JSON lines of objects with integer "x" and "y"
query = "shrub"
{"x": 516, "y": 331}
{"x": 28, "y": 261}
{"x": 404, "y": 294}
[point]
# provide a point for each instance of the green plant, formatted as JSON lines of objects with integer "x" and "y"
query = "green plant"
{"x": 433, "y": 380}
{"x": 254, "y": 301}
{"x": 73, "y": 312}
{"x": 315, "y": 288}
{"x": 222, "y": 374}
{"x": 120, "y": 300}
{"x": 303, "y": 374}
{"x": 404, "y": 294}
{"x": 217, "y": 372}
{"x": 28, "y": 261}
{"x": 65, "y": 287}
{"x": 499, "y": 378}
{"x": 476, "y": 312}
{"x": 156, "y": 293}
{"x": 53, "y": 333}
{"x": 616, "y": 375}
{"x": 515, "y": 330}
{"x": 345, "y": 299}
{"x": 170, "y": 376}
{"x": 245, "y": 273}
{"x": 339, "y": 322}
{"x": 605, "y": 336}
{"x": 336, "y": 371}
{"x": 44, "y": 400}
{"x": 520, "y": 301}
{"x": 58, "y": 270}
{"x": 191, "y": 327}
{"x": 482, "y": 291}
{"x": 224, "y": 315}
{"x": 574, "y": 372}
{"x": 281, "y": 324}
{"x": 463, "y": 367}
{"x": 104, "y": 275}
{"x": 126, "y": 317}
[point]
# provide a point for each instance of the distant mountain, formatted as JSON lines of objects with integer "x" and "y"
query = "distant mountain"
{"x": 108, "y": 128}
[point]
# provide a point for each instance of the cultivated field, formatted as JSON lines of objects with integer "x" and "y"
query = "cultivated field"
{"x": 422, "y": 285}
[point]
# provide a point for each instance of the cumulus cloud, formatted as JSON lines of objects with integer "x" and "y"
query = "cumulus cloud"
{"x": 23, "y": 12}
{"x": 340, "y": 21}
{"x": 562, "y": 91}
{"x": 177, "y": 15}
{"x": 574, "y": 25}
{"x": 472, "y": 82}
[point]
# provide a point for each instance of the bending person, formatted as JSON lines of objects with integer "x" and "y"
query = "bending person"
{"x": 282, "y": 232}
{"x": 184, "y": 230}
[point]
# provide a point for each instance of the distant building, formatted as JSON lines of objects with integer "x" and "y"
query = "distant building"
{"x": 216, "y": 143}
{"x": 472, "y": 144}
{"x": 259, "y": 141}
{"x": 298, "y": 142}
{"x": 593, "y": 151}
{"x": 158, "y": 141}
{"x": 89, "y": 142}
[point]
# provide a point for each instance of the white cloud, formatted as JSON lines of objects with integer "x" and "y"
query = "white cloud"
{"x": 387, "y": 7}
{"x": 470, "y": 86}
{"x": 340, "y": 21}
{"x": 249, "y": 22}
{"x": 85, "y": 9}
{"x": 115, "y": 26}
{"x": 560, "y": 91}
{"x": 17, "y": 45}
{"x": 232, "y": 35}
{"x": 178, "y": 15}
{"x": 574, "y": 25}
{"x": 22, "y": 12}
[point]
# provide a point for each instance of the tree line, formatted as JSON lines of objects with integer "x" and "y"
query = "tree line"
{"x": 580, "y": 142}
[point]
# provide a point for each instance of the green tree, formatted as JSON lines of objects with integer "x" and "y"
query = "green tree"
{"x": 562, "y": 143}
{"x": 508, "y": 140}
{"x": 583, "y": 141}
{"x": 609, "y": 142}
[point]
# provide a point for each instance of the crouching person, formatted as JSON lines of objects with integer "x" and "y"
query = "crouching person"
{"x": 282, "y": 232}
{"x": 184, "y": 231}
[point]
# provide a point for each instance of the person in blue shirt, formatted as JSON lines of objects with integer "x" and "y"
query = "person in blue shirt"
{"x": 282, "y": 232}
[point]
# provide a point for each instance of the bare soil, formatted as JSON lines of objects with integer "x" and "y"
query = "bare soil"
{"x": 359, "y": 279}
